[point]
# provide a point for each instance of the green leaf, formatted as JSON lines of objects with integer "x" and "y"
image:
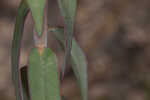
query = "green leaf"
{"x": 68, "y": 11}
{"x": 78, "y": 61}
{"x": 43, "y": 75}
{"x": 80, "y": 68}
{"x": 22, "y": 13}
{"x": 37, "y": 8}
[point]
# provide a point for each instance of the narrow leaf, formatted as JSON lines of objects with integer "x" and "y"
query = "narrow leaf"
{"x": 43, "y": 75}
{"x": 80, "y": 68}
{"x": 78, "y": 61}
{"x": 22, "y": 13}
{"x": 37, "y": 9}
{"x": 68, "y": 11}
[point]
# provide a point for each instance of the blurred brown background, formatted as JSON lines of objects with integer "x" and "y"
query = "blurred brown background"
{"x": 114, "y": 34}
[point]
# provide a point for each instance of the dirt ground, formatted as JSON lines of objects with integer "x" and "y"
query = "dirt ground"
{"x": 114, "y": 34}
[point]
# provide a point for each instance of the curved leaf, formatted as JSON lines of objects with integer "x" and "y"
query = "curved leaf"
{"x": 68, "y": 11}
{"x": 80, "y": 68}
{"x": 16, "y": 45}
{"x": 78, "y": 61}
{"x": 43, "y": 75}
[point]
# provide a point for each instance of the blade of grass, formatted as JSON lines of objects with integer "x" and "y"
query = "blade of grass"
{"x": 37, "y": 8}
{"x": 68, "y": 11}
{"x": 78, "y": 60}
{"x": 42, "y": 40}
{"x": 16, "y": 45}
{"x": 43, "y": 75}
